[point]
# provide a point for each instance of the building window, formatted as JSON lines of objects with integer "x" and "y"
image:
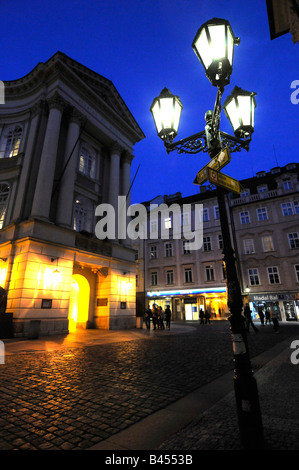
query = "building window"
{"x": 216, "y": 213}
{"x": 293, "y": 240}
{"x": 262, "y": 188}
{"x": 273, "y": 275}
{"x": 209, "y": 273}
{"x": 204, "y": 215}
{"x": 87, "y": 162}
{"x": 245, "y": 192}
{"x": 154, "y": 226}
{"x": 207, "y": 246}
{"x": 169, "y": 277}
{"x": 220, "y": 242}
{"x": 185, "y": 219}
{"x": 287, "y": 184}
{"x": 262, "y": 214}
{"x": 168, "y": 249}
{"x": 248, "y": 246}
{"x": 244, "y": 217}
{"x": 167, "y": 223}
{"x": 154, "y": 278}
{"x": 11, "y": 142}
{"x": 4, "y": 193}
{"x": 137, "y": 280}
{"x": 83, "y": 214}
{"x": 153, "y": 252}
{"x": 253, "y": 275}
{"x": 188, "y": 275}
{"x": 186, "y": 249}
{"x": 267, "y": 243}
{"x": 287, "y": 208}
{"x": 296, "y": 207}
{"x": 297, "y": 272}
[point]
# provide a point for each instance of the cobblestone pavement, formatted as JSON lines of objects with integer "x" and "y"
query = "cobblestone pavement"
{"x": 75, "y": 397}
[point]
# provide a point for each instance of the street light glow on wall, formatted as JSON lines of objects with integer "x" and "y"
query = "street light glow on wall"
{"x": 214, "y": 46}
{"x": 166, "y": 110}
{"x": 239, "y": 108}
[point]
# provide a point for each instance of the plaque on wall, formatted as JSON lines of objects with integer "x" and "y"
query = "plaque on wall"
{"x": 102, "y": 302}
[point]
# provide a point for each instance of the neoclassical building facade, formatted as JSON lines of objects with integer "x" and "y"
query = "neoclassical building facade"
{"x": 66, "y": 147}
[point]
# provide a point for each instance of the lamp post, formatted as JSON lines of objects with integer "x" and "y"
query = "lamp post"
{"x": 214, "y": 46}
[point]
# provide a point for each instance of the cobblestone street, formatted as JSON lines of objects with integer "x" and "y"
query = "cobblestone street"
{"x": 75, "y": 397}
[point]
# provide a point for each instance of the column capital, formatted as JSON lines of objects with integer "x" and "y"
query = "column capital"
{"x": 56, "y": 101}
{"x": 116, "y": 148}
{"x": 127, "y": 157}
{"x": 36, "y": 108}
{"x": 77, "y": 117}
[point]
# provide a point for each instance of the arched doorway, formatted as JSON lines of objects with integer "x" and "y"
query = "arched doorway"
{"x": 79, "y": 302}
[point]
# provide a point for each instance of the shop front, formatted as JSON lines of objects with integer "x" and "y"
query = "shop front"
{"x": 286, "y": 305}
{"x": 186, "y": 304}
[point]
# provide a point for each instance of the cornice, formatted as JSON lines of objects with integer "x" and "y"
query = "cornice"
{"x": 95, "y": 90}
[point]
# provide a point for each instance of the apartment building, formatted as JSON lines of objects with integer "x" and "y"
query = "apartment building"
{"x": 264, "y": 224}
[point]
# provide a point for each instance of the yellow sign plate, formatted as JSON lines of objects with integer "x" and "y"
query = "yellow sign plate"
{"x": 225, "y": 181}
{"x": 218, "y": 162}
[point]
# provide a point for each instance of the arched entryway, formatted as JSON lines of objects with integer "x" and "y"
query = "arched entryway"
{"x": 79, "y": 302}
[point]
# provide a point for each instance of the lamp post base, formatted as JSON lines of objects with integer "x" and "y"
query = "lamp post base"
{"x": 246, "y": 392}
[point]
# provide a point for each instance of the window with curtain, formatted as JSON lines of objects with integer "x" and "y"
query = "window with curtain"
{"x": 11, "y": 141}
{"x": 87, "y": 162}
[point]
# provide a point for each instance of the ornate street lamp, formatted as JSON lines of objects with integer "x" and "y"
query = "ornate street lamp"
{"x": 214, "y": 46}
{"x": 239, "y": 108}
{"x": 166, "y": 110}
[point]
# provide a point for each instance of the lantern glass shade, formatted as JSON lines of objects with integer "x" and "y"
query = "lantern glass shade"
{"x": 214, "y": 46}
{"x": 166, "y": 110}
{"x": 239, "y": 108}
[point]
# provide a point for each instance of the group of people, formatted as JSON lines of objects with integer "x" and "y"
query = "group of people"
{"x": 158, "y": 316}
{"x": 265, "y": 318}
{"x": 205, "y": 317}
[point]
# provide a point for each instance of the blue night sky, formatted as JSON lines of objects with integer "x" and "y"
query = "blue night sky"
{"x": 143, "y": 46}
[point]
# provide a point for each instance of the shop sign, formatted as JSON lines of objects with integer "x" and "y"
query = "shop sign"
{"x": 270, "y": 297}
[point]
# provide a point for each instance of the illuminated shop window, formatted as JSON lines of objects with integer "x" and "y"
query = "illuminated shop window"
{"x": 11, "y": 142}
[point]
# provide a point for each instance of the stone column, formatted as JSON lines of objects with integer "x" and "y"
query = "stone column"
{"x": 43, "y": 190}
{"x": 29, "y": 151}
{"x": 113, "y": 192}
{"x": 70, "y": 163}
{"x": 125, "y": 187}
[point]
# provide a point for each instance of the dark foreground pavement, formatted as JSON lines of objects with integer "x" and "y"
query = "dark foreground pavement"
{"x": 144, "y": 390}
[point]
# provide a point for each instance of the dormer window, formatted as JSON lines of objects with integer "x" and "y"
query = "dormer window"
{"x": 11, "y": 141}
{"x": 262, "y": 188}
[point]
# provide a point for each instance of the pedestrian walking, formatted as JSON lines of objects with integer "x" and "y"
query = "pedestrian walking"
{"x": 274, "y": 319}
{"x": 207, "y": 317}
{"x": 261, "y": 315}
{"x": 148, "y": 315}
{"x": 247, "y": 314}
{"x": 161, "y": 318}
{"x": 154, "y": 316}
{"x": 267, "y": 316}
{"x": 167, "y": 316}
{"x": 201, "y": 316}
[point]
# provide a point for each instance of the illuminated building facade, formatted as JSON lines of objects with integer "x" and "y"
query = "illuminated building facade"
{"x": 264, "y": 222}
{"x": 266, "y": 226}
{"x": 170, "y": 273}
{"x": 66, "y": 146}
